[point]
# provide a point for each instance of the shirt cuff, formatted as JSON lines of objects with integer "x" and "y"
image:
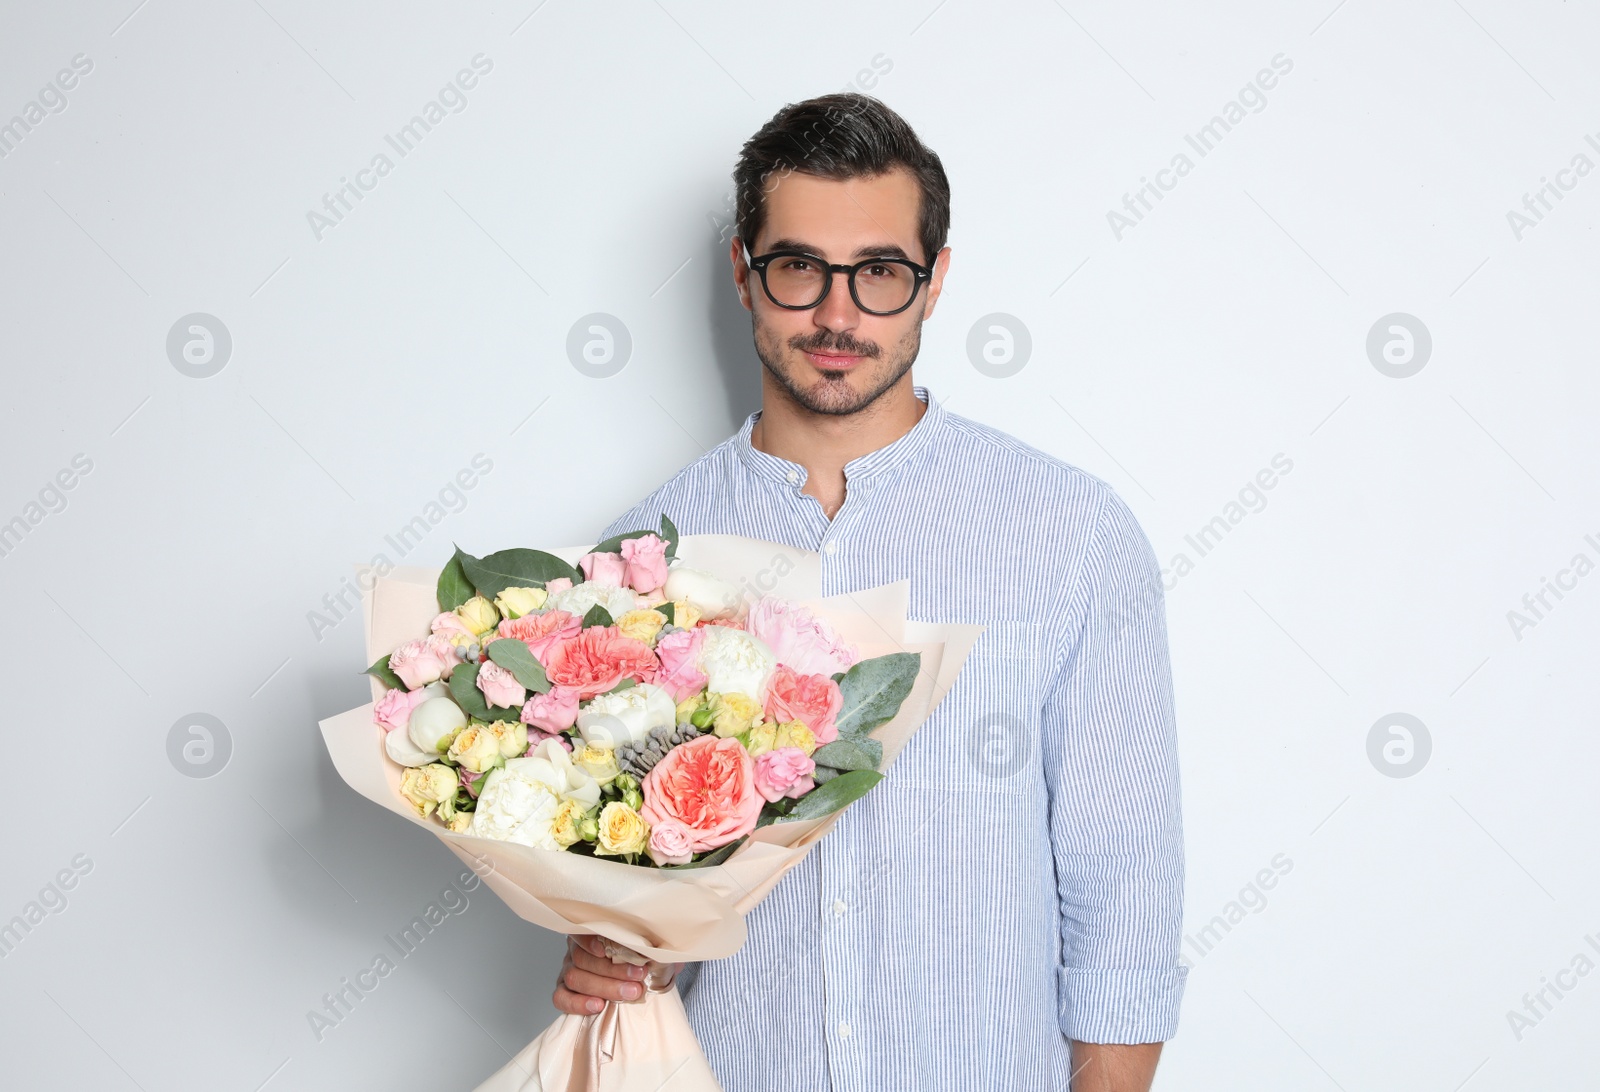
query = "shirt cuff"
{"x": 1120, "y": 1006}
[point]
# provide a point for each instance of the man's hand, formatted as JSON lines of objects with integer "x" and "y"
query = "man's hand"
{"x": 589, "y": 978}
{"x": 1110, "y": 1067}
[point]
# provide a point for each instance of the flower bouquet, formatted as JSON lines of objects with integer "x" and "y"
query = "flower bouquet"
{"x": 635, "y": 740}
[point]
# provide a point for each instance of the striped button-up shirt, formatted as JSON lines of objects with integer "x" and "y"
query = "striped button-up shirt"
{"x": 1016, "y": 880}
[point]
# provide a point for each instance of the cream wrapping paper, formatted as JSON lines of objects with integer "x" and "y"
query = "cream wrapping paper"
{"x": 666, "y": 915}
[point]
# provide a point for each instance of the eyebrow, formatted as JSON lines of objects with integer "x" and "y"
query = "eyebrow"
{"x": 882, "y": 250}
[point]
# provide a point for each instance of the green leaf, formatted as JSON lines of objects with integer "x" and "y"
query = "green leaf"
{"x": 850, "y": 753}
{"x": 670, "y": 533}
{"x": 825, "y": 774}
{"x": 597, "y": 616}
{"x": 838, "y": 792}
{"x": 613, "y": 545}
{"x": 513, "y": 655}
{"x": 380, "y": 671}
{"x": 873, "y": 690}
{"x": 670, "y": 611}
{"x": 464, "y": 689}
{"x": 516, "y": 568}
{"x": 715, "y": 857}
{"x": 454, "y": 587}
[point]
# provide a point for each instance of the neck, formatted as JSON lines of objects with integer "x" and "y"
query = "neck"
{"x": 824, "y": 443}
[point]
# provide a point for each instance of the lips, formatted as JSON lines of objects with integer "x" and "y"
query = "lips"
{"x": 832, "y": 362}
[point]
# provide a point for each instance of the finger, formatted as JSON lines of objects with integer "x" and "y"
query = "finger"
{"x": 581, "y": 981}
{"x": 575, "y": 1004}
{"x": 602, "y": 966}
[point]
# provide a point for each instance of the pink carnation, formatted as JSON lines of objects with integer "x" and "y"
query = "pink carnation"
{"x": 536, "y": 737}
{"x": 814, "y": 700}
{"x": 500, "y": 687}
{"x": 708, "y": 785}
{"x": 603, "y": 568}
{"x": 679, "y": 653}
{"x": 393, "y": 710}
{"x": 542, "y": 632}
{"x": 646, "y": 559}
{"x": 553, "y": 712}
{"x": 799, "y": 638}
{"x": 423, "y": 661}
{"x": 784, "y": 771}
{"x": 597, "y": 659}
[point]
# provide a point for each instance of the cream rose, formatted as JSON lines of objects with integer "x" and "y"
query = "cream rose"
{"x": 641, "y": 625}
{"x": 626, "y": 716}
{"x": 566, "y": 826}
{"x": 476, "y": 749}
{"x": 733, "y": 713}
{"x": 479, "y": 615}
{"x": 711, "y": 595}
{"x": 515, "y": 602}
{"x": 622, "y": 831}
{"x": 511, "y": 735}
{"x": 426, "y": 787}
{"x": 598, "y": 760}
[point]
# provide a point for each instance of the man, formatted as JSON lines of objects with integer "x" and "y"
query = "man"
{"x": 1003, "y": 911}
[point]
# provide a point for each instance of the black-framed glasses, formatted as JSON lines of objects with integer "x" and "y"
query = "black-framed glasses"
{"x": 798, "y": 281}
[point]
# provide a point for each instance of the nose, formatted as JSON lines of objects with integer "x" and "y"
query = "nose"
{"x": 837, "y": 311}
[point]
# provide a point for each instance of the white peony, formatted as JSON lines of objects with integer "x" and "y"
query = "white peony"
{"x": 735, "y": 662}
{"x": 397, "y": 744}
{"x": 711, "y": 595}
{"x": 551, "y": 766}
{"x": 626, "y": 716}
{"x": 434, "y": 724}
{"x": 580, "y": 597}
{"x": 513, "y": 808}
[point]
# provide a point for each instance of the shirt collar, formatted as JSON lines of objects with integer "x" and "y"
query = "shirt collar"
{"x": 859, "y": 469}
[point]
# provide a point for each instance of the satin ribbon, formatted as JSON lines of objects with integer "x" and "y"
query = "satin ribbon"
{"x": 600, "y": 1038}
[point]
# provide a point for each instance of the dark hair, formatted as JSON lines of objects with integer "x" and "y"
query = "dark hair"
{"x": 840, "y": 136}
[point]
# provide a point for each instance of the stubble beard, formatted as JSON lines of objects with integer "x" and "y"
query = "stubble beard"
{"x": 833, "y": 394}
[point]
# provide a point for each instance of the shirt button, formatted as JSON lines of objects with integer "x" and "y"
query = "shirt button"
{"x": 792, "y": 476}
{"x": 844, "y": 1030}
{"x": 831, "y": 548}
{"x": 839, "y": 907}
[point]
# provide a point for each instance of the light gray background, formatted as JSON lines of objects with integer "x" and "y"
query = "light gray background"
{"x": 589, "y": 173}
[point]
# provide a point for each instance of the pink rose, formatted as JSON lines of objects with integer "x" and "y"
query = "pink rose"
{"x": 708, "y": 785}
{"x": 541, "y": 632}
{"x": 646, "y": 560}
{"x": 560, "y": 583}
{"x": 393, "y": 710}
{"x": 423, "y": 661}
{"x": 679, "y": 652}
{"x": 470, "y": 781}
{"x": 597, "y": 659}
{"x": 784, "y": 771}
{"x": 798, "y": 638}
{"x": 814, "y": 700}
{"x": 553, "y": 712}
{"x": 669, "y": 843}
{"x": 449, "y": 625}
{"x": 500, "y": 687}
{"x": 607, "y": 569}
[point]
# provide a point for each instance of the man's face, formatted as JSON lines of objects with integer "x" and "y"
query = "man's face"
{"x": 836, "y": 358}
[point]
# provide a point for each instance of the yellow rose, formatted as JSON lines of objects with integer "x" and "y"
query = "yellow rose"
{"x": 684, "y": 615}
{"x": 476, "y": 749}
{"x": 794, "y": 733}
{"x": 564, "y": 827}
{"x": 760, "y": 739}
{"x": 642, "y": 625}
{"x": 515, "y": 602}
{"x": 426, "y": 787}
{"x": 459, "y": 822}
{"x": 478, "y": 615}
{"x": 623, "y": 832}
{"x": 511, "y": 735}
{"x": 688, "y": 707}
{"x": 598, "y": 761}
{"x": 733, "y": 712}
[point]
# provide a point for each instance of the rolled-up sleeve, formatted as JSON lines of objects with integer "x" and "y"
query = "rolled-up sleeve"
{"x": 1109, "y": 746}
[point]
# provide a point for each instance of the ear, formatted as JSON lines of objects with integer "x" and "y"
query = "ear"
{"x": 936, "y": 285}
{"x": 741, "y": 271}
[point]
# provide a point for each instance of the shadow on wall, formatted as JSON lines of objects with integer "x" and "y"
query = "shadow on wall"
{"x": 732, "y": 340}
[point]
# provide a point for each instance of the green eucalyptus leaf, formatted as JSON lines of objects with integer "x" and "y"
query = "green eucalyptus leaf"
{"x": 454, "y": 587}
{"x": 873, "y": 690}
{"x": 381, "y": 671}
{"x": 514, "y": 656}
{"x": 838, "y": 792}
{"x": 670, "y": 611}
{"x": 517, "y": 568}
{"x": 597, "y": 616}
{"x": 669, "y": 532}
{"x": 464, "y": 689}
{"x": 850, "y": 753}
